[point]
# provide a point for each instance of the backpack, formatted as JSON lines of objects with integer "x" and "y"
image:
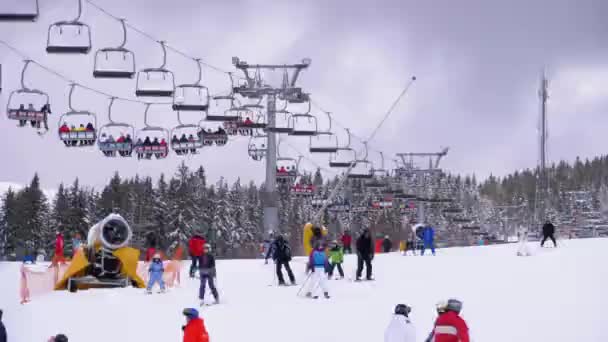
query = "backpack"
{"x": 284, "y": 251}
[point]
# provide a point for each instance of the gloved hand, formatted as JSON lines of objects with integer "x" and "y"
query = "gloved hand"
{"x": 183, "y": 327}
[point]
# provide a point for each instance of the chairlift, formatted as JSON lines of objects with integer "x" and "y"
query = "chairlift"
{"x": 82, "y": 135}
{"x": 69, "y": 37}
{"x": 303, "y": 125}
{"x": 302, "y": 190}
{"x": 185, "y": 138}
{"x": 257, "y": 147}
{"x": 156, "y": 82}
{"x": 26, "y": 104}
{"x": 343, "y": 158}
{"x": 363, "y": 169}
{"x": 379, "y": 176}
{"x": 151, "y": 140}
{"x": 192, "y": 97}
{"x": 281, "y": 124}
{"x": 246, "y": 126}
{"x": 287, "y": 168}
{"x": 25, "y": 11}
{"x": 210, "y": 137}
{"x": 115, "y": 63}
{"x": 325, "y": 141}
{"x": 112, "y": 137}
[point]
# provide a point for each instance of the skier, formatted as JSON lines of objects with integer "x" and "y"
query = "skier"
{"x": 400, "y": 329}
{"x": 523, "y": 249}
{"x": 548, "y": 233}
{"x": 59, "y": 244}
{"x": 281, "y": 254}
{"x": 336, "y": 257}
{"x": 364, "y": 255}
{"x": 441, "y": 308}
{"x": 387, "y": 244}
{"x": 347, "y": 240}
{"x": 266, "y": 245}
{"x": 3, "y": 337}
{"x": 195, "y": 248}
{"x": 449, "y": 326}
{"x": 419, "y": 238}
{"x": 207, "y": 274}
{"x": 317, "y": 265}
{"x": 428, "y": 237}
{"x": 194, "y": 330}
{"x": 156, "y": 272}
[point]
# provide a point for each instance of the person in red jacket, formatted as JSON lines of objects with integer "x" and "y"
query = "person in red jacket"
{"x": 59, "y": 246}
{"x": 194, "y": 330}
{"x": 196, "y": 248}
{"x": 347, "y": 240}
{"x": 449, "y": 326}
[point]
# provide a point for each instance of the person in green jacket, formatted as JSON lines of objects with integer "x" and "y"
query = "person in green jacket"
{"x": 336, "y": 257}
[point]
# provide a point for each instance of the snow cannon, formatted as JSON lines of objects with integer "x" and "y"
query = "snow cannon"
{"x": 107, "y": 260}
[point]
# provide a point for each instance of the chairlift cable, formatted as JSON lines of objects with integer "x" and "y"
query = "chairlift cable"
{"x": 151, "y": 37}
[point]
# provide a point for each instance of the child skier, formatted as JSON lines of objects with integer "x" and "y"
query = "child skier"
{"x": 207, "y": 274}
{"x": 156, "y": 271}
{"x": 400, "y": 329}
{"x": 336, "y": 257}
{"x": 317, "y": 266}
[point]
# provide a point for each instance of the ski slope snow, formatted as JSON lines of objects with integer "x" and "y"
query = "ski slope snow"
{"x": 557, "y": 295}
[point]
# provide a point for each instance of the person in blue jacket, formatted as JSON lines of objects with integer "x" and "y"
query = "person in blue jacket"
{"x": 317, "y": 265}
{"x": 156, "y": 271}
{"x": 428, "y": 237}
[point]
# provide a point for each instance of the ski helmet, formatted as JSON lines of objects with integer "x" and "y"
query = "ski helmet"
{"x": 60, "y": 338}
{"x": 207, "y": 246}
{"x": 190, "y": 313}
{"x": 454, "y": 305}
{"x": 402, "y": 309}
{"x": 441, "y": 306}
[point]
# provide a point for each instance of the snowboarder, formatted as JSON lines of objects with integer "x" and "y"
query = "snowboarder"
{"x": 195, "y": 248}
{"x": 450, "y": 327}
{"x": 347, "y": 240}
{"x": 336, "y": 258}
{"x": 281, "y": 254}
{"x": 365, "y": 254}
{"x": 428, "y": 237}
{"x": 207, "y": 273}
{"x": 156, "y": 271}
{"x": 548, "y": 233}
{"x": 317, "y": 265}
{"x": 3, "y": 337}
{"x": 400, "y": 329}
{"x": 194, "y": 330}
{"x": 387, "y": 244}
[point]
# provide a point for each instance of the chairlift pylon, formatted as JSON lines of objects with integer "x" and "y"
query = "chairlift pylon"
{"x": 192, "y": 97}
{"x": 83, "y": 135}
{"x": 60, "y": 33}
{"x": 115, "y": 62}
{"x": 109, "y": 144}
{"x": 156, "y": 82}
{"x": 24, "y": 13}
{"x": 27, "y": 104}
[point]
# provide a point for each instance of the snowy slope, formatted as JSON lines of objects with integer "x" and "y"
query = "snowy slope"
{"x": 558, "y": 295}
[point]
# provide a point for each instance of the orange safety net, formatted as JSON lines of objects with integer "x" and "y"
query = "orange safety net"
{"x": 37, "y": 280}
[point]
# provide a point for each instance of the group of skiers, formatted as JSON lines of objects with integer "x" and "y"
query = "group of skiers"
{"x": 448, "y": 327}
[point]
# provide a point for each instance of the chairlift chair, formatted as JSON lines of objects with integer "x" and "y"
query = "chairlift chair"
{"x": 363, "y": 169}
{"x": 156, "y": 82}
{"x": 283, "y": 127}
{"x": 192, "y": 97}
{"x": 379, "y": 177}
{"x": 256, "y": 148}
{"x": 193, "y": 143}
{"x": 79, "y": 134}
{"x": 308, "y": 129}
{"x": 26, "y": 104}
{"x": 156, "y": 146}
{"x": 28, "y": 11}
{"x": 343, "y": 158}
{"x": 69, "y": 37}
{"x": 210, "y": 137}
{"x": 112, "y": 137}
{"x": 287, "y": 169}
{"x": 230, "y": 114}
{"x": 115, "y": 62}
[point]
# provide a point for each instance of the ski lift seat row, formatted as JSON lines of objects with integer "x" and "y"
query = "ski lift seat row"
{"x": 28, "y": 104}
{"x": 114, "y": 63}
{"x": 159, "y": 152}
{"x": 29, "y": 13}
{"x": 69, "y": 37}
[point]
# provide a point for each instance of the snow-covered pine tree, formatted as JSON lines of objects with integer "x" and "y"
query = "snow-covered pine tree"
{"x": 8, "y": 224}
{"x": 33, "y": 230}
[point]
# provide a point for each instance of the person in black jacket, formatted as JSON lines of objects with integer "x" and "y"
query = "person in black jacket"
{"x": 206, "y": 267}
{"x": 281, "y": 254}
{"x": 387, "y": 244}
{"x": 548, "y": 233}
{"x": 365, "y": 253}
{"x": 2, "y": 329}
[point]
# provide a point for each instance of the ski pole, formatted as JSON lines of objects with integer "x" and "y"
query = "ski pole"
{"x": 304, "y": 284}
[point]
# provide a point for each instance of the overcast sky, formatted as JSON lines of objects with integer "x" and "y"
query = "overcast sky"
{"x": 477, "y": 63}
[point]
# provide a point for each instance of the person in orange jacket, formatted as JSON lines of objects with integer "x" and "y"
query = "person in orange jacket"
{"x": 194, "y": 330}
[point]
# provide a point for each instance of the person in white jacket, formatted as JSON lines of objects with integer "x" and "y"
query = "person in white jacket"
{"x": 522, "y": 248}
{"x": 400, "y": 329}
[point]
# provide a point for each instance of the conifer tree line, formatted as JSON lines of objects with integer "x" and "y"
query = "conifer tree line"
{"x": 168, "y": 211}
